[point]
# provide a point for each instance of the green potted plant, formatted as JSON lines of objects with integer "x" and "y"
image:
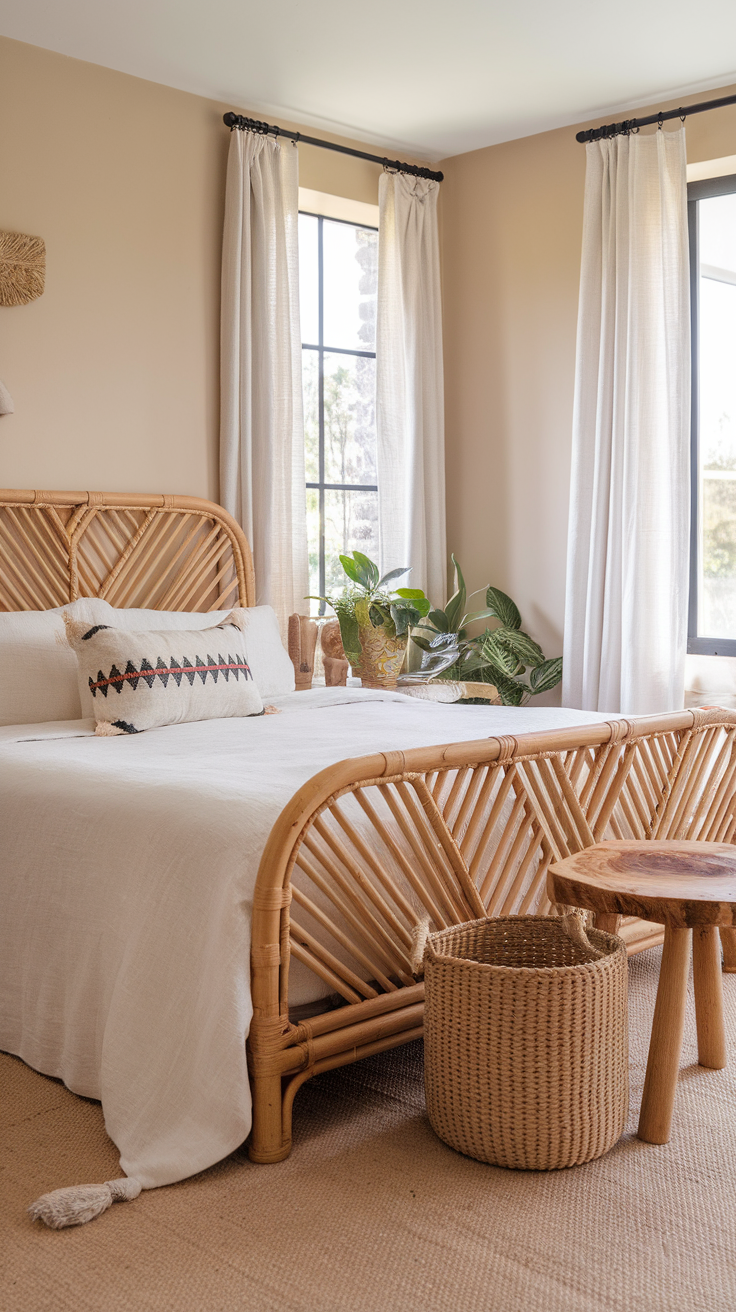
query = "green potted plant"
{"x": 375, "y": 619}
{"x": 502, "y": 656}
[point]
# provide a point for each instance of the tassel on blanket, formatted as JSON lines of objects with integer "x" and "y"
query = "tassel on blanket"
{"x": 103, "y": 729}
{"x": 82, "y": 1202}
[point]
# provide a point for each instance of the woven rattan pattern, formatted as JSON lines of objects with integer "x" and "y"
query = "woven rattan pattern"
{"x": 153, "y": 551}
{"x": 526, "y": 1042}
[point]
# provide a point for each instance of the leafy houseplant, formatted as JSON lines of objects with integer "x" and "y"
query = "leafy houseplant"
{"x": 501, "y": 656}
{"x": 375, "y": 620}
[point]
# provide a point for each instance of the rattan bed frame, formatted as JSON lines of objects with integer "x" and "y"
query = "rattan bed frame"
{"x": 456, "y": 831}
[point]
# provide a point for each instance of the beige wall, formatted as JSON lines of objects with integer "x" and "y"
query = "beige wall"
{"x": 114, "y": 370}
{"x": 512, "y": 225}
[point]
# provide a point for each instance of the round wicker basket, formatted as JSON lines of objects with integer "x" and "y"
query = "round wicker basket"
{"x": 526, "y": 1040}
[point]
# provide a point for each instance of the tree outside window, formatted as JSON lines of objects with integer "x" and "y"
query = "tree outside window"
{"x": 338, "y": 285}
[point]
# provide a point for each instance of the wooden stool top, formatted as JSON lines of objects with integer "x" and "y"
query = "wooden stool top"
{"x": 681, "y": 884}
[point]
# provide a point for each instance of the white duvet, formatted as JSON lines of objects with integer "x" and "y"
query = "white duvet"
{"x": 127, "y": 871}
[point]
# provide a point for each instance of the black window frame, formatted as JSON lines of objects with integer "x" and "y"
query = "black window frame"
{"x": 321, "y": 348}
{"x": 704, "y": 189}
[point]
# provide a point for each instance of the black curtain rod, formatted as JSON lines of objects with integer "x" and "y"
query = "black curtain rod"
{"x": 633, "y": 124}
{"x": 233, "y": 121}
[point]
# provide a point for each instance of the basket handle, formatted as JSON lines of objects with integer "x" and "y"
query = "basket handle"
{"x": 573, "y": 926}
{"x": 419, "y": 936}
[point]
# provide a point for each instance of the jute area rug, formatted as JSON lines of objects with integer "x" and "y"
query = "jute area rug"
{"x": 372, "y": 1213}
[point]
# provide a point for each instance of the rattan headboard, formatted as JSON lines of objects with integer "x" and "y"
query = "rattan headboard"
{"x": 161, "y": 552}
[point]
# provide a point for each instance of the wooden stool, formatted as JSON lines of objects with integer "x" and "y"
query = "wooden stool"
{"x": 684, "y": 886}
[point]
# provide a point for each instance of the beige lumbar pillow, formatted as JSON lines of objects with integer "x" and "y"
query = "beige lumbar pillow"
{"x": 144, "y": 680}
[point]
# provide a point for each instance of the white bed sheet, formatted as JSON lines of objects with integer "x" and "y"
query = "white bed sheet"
{"x": 126, "y": 880}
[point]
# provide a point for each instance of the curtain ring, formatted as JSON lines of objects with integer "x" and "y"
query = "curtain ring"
{"x": 682, "y": 115}
{"x": 660, "y": 122}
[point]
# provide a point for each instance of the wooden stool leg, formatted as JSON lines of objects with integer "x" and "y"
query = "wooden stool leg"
{"x": 728, "y": 943}
{"x": 663, "y": 1063}
{"x": 709, "y": 997}
{"x": 608, "y": 923}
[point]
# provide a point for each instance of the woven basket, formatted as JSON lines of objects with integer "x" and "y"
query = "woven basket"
{"x": 526, "y": 1040}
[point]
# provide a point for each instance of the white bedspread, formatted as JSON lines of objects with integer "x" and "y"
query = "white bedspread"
{"x": 126, "y": 879}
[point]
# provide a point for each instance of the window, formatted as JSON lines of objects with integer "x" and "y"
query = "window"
{"x": 712, "y": 219}
{"x": 338, "y": 276}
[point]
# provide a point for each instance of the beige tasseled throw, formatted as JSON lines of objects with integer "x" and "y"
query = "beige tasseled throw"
{"x": 83, "y": 1202}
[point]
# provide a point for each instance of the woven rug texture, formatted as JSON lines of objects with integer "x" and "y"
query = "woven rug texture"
{"x": 372, "y": 1213}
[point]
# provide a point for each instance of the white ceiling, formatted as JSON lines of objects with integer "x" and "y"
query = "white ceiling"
{"x": 424, "y": 76}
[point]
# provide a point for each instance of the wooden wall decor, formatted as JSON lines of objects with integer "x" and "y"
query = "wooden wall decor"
{"x": 22, "y": 268}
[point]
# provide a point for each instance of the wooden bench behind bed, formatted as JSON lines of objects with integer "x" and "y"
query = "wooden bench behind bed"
{"x": 372, "y": 845}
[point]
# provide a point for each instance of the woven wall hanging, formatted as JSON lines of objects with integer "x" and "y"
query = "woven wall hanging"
{"x": 22, "y": 268}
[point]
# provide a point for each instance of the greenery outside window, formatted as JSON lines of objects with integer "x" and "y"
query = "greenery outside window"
{"x": 712, "y": 222}
{"x": 338, "y": 275}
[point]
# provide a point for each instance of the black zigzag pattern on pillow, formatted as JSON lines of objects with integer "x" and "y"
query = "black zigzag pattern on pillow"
{"x": 227, "y": 667}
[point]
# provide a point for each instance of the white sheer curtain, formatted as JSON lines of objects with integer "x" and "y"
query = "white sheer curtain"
{"x": 627, "y": 576}
{"x": 409, "y": 387}
{"x": 261, "y": 427}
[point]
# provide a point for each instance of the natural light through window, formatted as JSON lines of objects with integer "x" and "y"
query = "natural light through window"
{"x": 716, "y": 415}
{"x": 338, "y": 272}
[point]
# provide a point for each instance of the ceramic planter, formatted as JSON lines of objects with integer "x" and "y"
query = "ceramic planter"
{"x": 382, "y": 657}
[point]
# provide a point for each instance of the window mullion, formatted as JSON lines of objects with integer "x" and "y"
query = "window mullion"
{"x": 321, "y": 407}
{"x": 701, "y": 615}
{"x": 352, "y": 403}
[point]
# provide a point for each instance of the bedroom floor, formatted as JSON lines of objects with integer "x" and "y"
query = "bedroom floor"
{"x": 372, "y": 1213}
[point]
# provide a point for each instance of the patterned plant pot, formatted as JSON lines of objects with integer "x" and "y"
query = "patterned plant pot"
{"x": 382, "y": 657}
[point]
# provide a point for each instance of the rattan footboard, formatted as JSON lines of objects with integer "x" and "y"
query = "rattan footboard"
{"x": 371, "y": 847}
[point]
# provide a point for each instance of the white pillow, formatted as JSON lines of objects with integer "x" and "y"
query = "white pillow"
{"x": 147, "y": 679}
{"x": 267, "y": 656}
{"x": 269, "y": 660}
{"x": 38, "y": 670}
